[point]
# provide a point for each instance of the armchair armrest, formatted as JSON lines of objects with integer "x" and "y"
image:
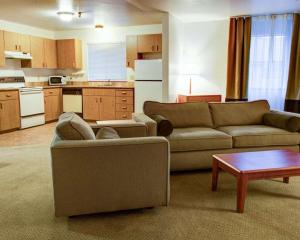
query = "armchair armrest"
{"x": 150, "y": 123}
{"x": 285, "y": 120}
{"x": 125, "y": 129}
{"x": 109, "y": 175}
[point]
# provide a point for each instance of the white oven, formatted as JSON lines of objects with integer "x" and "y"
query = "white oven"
{"x": 32, "y": 107}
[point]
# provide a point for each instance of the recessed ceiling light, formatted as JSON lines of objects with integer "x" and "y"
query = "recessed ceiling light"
{"x": 66, "y": 16}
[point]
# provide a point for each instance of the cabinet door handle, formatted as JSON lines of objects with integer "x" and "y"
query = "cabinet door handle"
{"x": 96, "y": 100}
{"x": 100, "y": 99}
{"x": 20, "y": 47}
{"x": 124, "y": 93}
{"x": 157, "y": 48}
{"x": 152, "y": 48}
{"x": 124, "y": 107}
{"x": 124, "y": 116}
{"x": 1, "y": 106}
{"x": 16, "y": 47}
{"x": 124, "y": 100}
{"x": 8, "y": 95}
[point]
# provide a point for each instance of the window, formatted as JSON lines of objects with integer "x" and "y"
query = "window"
{"x": 269, "y": 58}
{"x": 106, "y": 61}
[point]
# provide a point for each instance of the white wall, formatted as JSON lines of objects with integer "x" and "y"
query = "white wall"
{"x": 176, "y": 48}
{"x": 205, "y": 56}
{"x": 105, "y": 35}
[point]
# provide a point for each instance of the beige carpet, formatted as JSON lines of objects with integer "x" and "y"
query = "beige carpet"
{"x": 26, "y": 208}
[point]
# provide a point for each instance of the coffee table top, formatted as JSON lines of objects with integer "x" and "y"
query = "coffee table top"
{"x": 260, "y": 161}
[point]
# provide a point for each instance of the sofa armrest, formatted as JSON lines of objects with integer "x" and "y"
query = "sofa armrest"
{"x": 109, "y": 175}
{"x": 150, "y": 123}
{"x": 125, "y": 129}
{"x": 284, "y": 120}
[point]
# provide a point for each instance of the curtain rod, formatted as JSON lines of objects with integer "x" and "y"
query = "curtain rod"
{"x": 263, "y": 14}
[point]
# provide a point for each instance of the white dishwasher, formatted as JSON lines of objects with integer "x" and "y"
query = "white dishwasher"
{"x": 72, "y": 100}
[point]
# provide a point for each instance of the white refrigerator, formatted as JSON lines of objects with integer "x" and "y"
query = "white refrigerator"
{"x": 148, "y": 82}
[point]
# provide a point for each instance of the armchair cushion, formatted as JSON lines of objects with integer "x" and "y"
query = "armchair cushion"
{"x": 72, "y": 127}
{"x": 164, "y": 126}
{"x": 107, "y": 133}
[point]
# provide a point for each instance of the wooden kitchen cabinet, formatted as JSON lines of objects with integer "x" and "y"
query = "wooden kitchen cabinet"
{"x": 37, "y": 52}
{"x": 99, "y": 104}
{"x": 53, "y": 104}
{"x": 16, "y": 42}
{"x": 43, "y": 52}
{"x": 91, "y": 109}
{"x": 69, "y": 53}
{"x": 131, "y": 51}
{"x": 24, "y": 44}
{"x": 2, "y": 57}
{"x": 9, "y": 111}
{"x": 151, "y": 43}
{"x": 50, "y": 55}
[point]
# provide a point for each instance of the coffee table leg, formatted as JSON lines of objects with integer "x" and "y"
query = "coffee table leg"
{"x": 215, "y": 175}
{"x": 286, "y": 179}
{"x": 242, "y": 182}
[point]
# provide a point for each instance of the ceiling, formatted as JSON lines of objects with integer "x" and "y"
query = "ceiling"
{"x": 42, "y": 13}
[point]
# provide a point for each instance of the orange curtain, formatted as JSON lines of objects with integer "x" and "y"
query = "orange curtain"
{"x": 292, "y": 102}
{"x": 238, "y": 59}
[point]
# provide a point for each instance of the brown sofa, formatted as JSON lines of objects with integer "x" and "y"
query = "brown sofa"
{"x": 102, "y": 175}
{"x": 203, "y": 129}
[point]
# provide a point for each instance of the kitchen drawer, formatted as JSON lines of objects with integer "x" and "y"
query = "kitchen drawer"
{"x": 98, "y": 92}
{"x": 128, "y": 100}
{"x": 123, "y": 115}
{"x": 125, "y": 93}
{"x": 124, "y": 107}
{"x": 8, "y": 95}
{"x": 52, "y": 92}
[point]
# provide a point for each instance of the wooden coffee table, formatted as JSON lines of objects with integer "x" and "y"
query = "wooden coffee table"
{"x": 254, "y": 166}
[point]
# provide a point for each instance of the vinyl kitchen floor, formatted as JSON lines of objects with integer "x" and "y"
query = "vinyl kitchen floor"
{"x": 31, "y": 136}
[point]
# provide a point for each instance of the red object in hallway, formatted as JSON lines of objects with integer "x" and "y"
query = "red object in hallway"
{"x": 199, "y": 98}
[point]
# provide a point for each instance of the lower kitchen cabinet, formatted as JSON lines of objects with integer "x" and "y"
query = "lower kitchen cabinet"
{"x": 107, "y": 104}
{"x": 9, "y": 110}
{"x": 99, "y": 104}
{"x": 53, "y": 104}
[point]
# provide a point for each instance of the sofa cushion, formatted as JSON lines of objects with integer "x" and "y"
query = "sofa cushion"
{"x": 72, "y": 127}
{"x": 239, "y": 113}
{"x": 195, "y": 139}
{"x": 260, "y": 136}
{"x": 107, "y": 133}
{"x": 164, "y": 126}
{"x": 181, "y": 114}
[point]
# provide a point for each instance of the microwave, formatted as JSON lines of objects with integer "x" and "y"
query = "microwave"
{"x": 57, "y": 80}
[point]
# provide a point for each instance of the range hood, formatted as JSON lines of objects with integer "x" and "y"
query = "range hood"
{"x": 17, "y": 55}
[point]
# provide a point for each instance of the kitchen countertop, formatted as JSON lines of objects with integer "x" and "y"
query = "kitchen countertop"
{"x": 8, "y": 89}
{"x": 129, "y": 85}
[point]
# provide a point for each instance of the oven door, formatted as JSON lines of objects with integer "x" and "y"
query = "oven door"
{"x": 32, "y": 103}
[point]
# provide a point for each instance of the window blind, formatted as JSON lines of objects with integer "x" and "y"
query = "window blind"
{"x": 106, "y": 61}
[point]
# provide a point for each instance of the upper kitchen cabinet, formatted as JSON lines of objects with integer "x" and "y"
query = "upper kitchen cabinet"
{"x": 151, "y": 43}
{"x": 69, "y": 53}
{"x": 16, "y": 42}
{"x": 131, "y": 51}
{"x": 43, "y": 52}
{"x": 50, "y": 55}
{"x": 2, "y": 57}
{"x": 37, "y": 52}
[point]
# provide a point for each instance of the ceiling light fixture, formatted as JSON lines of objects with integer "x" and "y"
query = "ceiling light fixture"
{"x": 66, "y": 16}
{"x": 99, "y": 26}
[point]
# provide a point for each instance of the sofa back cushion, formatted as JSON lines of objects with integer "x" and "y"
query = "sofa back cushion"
{"x": 72, "y": 127}
{"x": 239, "y": 113}
{"x": 181, "y": 114}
